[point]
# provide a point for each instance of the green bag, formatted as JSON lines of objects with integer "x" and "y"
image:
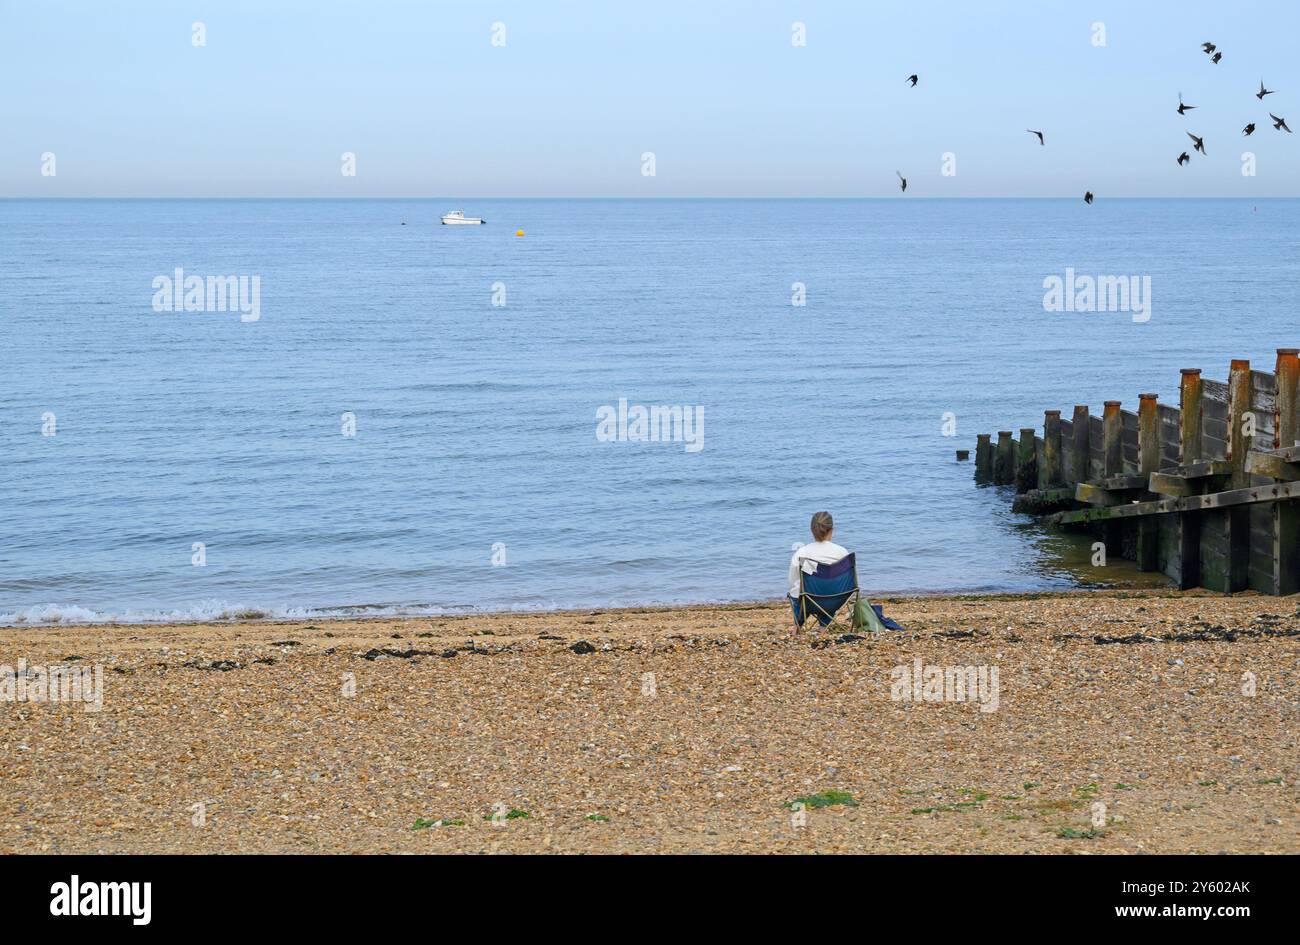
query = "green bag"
{"x": 864, "y": 617}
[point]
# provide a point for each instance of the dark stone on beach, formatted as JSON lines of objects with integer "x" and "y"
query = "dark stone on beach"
{"x": 285, "y": 643}
{"x": 548, "y": 636}
{"x": 1131, "y": 638}
{"x": 220, "y": 666}
{"x": 849, "y": 638}
{"x": 410, "y": 653}
{"x": 265, "y": 660}
{"x": 448, "y": 654}
{"x": 582, "y": 646}
{"x": 1214, "y": 633}
{"x": 956, "y": 634}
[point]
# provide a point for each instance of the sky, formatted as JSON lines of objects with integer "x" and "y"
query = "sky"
{"x": 716, "y": 90}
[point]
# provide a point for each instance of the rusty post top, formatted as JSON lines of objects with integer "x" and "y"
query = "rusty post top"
{"x": 1148, "y": 396}
{"x": 1078, "y": 407}
{"x": 982, "y": 436}
{"x": 1112, "y": 407}
{"x": 1002, "y": 433}
{"x": 1191, "y": 370}
{"x": 1240, "y": 364}
{"x": 1052, "y": 413}
{"x": 1291, "y": 352}
{"x": 1032, "y": 431}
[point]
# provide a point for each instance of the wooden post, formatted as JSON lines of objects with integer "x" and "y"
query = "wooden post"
{"x": 1286, "y": 515}
{"x": 1050, "y": 474}
{"x": 1239, "y": 403}
{"x": 1112, "y": 439}
{"x": 1287, "y": 423}
{"x": 1004, "y": 463}
{"x": 1027, "y": 461}
{"x": 1189, "y": 416}
{"x": 983, "y": 458}
{"x": 1148, "y": 537}
{"x": 1189, "y": 451}
{"x": 1238, "y": 407}
{"x": 1112, "y": 449}
{"x": 1080, "y": 449}
{"x": 1148, "y": 433}
{"x": 1225, "y": 533}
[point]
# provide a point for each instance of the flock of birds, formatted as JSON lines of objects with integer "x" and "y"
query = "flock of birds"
{"x": 1198, "y": 143}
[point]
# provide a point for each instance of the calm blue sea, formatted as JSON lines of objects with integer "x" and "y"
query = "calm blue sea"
{"x": 476, "y": 424}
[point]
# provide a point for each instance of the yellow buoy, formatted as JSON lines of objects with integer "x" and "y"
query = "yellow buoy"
{"x": 519, "y": 232}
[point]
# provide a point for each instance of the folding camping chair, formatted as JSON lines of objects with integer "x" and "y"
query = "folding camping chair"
{"x": 825, "y": 591}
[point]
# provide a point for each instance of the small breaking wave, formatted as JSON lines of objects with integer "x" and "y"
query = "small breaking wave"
{"x": 66, "y": 615}
{"x": 54, "y": 615}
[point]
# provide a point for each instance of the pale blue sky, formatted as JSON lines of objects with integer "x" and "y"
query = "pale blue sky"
{"x": 715, "y": 89}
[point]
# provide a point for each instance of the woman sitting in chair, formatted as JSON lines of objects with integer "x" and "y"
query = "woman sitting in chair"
{"x": 821, "y": 551}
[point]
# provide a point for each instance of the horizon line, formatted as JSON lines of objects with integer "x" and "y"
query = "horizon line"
{"x": 629, "y": 197}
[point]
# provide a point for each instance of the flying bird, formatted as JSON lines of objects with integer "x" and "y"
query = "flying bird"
{"x": 1087, "y": 196}
{"x": 1208, "y": 47}
{"x": 1039, "y": 133}
{"x": 1263, "y": 91}
{"x": 912, "y": 79}
{"x": 1248, "y": 130}
{"x": 1279, "y": 123}
{"x": 1184, "y": 158}
{"x": 1182, "y": 109}
{"x": 904, "y": 180}
{"x": 1199, "y": 143}
{"x": 1216, "y": 57}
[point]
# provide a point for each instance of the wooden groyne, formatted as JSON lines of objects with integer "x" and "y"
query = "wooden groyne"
{"x": 1207, "y": 492}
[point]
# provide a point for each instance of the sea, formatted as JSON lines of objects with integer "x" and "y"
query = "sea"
{"x": 357, "y": 411}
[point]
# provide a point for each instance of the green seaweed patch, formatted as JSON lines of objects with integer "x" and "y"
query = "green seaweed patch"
{"x": 1030, "y": 785}
{"x": 1210, "y": 783}
{"x": 947, "y": 808}
{"x": 1277, "y": 780}
{"x": 824, "y": 799}
{"x": 1121, "y": 786}
{"x": 1087, "y": 790}
{"x": 515, "y": 814}
{"x": 598, "y": 818}
{"x": 1070, "y": 833}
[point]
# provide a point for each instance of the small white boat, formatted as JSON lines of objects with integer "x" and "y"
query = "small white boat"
{"x": 458, "y": 217}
